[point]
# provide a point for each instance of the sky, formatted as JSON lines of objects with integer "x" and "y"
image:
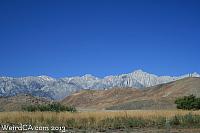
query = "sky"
{"x": 62, "y": 38}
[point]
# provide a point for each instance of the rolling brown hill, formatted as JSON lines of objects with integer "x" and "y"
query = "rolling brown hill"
{"x": 102, "y": 98}
{"x": 15, "y": 103}
{"x": 175, "y": 89}
{"x": 156, "y": 97}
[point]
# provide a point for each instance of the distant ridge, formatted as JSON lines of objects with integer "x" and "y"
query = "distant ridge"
{"x": 45, "y": 86}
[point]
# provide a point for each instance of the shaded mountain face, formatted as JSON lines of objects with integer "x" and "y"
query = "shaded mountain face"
{"x": 51, "y": 88}
{"x": 157, "y": 97}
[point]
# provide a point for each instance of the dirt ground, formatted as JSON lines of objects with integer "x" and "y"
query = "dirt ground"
{"x": 126, "y": 131}
{"x": 144, "y": 131}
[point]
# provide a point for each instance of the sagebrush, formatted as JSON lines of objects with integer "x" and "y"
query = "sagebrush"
{"x": 54, "y": 107}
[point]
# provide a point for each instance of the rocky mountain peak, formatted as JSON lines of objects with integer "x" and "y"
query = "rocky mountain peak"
{"x": 49, "y": 87}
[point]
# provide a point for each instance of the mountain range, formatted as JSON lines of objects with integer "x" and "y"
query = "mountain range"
{"x": 57, "y": 89}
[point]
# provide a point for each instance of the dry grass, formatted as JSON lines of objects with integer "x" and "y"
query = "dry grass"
{"x": 96, "y": 120}
{"x": 14, "y": 117}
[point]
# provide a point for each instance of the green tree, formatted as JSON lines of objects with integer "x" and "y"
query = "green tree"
{"x": 188, "y": 103}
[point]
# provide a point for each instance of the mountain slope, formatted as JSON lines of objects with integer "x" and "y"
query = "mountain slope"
{"x": 101, "y": 98}
{"x": 162, "y": 96}
{"x": 156, "y": 97}
{"x": 175, "y": 89}
{"x": 15, "y": 103}
{"x": 51, "y": 88}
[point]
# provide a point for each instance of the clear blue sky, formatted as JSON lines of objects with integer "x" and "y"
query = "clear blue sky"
{"x": 73, "y": 37}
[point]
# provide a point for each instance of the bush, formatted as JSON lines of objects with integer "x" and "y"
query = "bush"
{"x": 188, "y": 103}
{"x": 54, "y": 107}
